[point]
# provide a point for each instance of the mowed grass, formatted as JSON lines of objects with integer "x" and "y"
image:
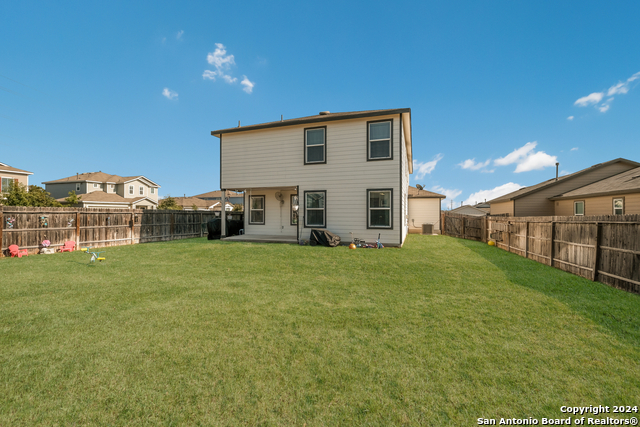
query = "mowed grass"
{"x": 196, "y": 332}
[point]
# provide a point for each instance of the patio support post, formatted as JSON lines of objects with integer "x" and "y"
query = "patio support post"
{"x": 298, "y": 221}
{"x": 223, "y": 214}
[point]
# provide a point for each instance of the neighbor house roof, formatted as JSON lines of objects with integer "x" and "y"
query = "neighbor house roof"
{"x": 469, "y": 210}
{"x": 190, "y": 201}
{"x": 625, "y": 182}
{"x": 312, "y": 119}
{"x": 414, "y": 193}
{"x": 99, "y": 177}
{"x": 101, "y": 196}
{"x": 6, "y": 168}
{"x": 545, "y": 184}
{"x": 218, "y": 194}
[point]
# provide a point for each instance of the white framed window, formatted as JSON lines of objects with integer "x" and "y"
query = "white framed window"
{"x": 112, "y": 187}
{"x": 5, "y": 185}
{"x": 294, "y": 209}
{"x": 256, "y": 210}
{"x": 141, "y": 190}
{"x": 315, "y": 145}
{"x": 131, "y": 190}
{"x": 315, "y": 212}
{"x": 618, "y": 206}
{"x": 379, "y": 141}
{"x": 78, "y": 186}
{"x": 380, "y": 208}
{"x": 578, "y": 207}
{"x": 95, "y": 185}
{"x": 153, "y": 190}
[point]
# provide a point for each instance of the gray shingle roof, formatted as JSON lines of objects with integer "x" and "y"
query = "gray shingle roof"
{"x": 414, "y": 193}
{"x": 625, "y": 182}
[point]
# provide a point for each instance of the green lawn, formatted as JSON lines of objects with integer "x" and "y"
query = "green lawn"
{"x": 196, "y": 332}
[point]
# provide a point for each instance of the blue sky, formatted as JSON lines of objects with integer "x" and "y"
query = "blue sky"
{"x": 499, "y": 90}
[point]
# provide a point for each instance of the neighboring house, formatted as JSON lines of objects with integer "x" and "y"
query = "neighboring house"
{"x": 102, "y": 190}
{"x": 469, "y": 210}
{"x": 11, "y": 175}
{"x": 486, "y": 207}
{"x": 343, "y": 172}
{"x": 617, "y": 195}
{"x": 536, "y": 200}
{"x": 232, "y": 196}
{"x": 424, "y": 208}
{"x": 188, "y": 203}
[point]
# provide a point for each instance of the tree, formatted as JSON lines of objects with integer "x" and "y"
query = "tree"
{"x": 238, "y": 208}
{"x": 169, "y": 203}
{"x": 194, "y": 207}
{"x": 17, "y": 195}
{"x": 73, "y": 198}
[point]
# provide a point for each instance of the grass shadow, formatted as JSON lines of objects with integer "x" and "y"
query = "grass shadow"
{"x": 614, "y": 310}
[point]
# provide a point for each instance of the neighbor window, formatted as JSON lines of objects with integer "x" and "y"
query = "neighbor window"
{"x": 315, "y": 145}
{"x": 618, "y": 206}
{"x": 131, "y": 189}
{"x": 95, "y": 185}
{"x": 141, "y": 190}
{"x": 314, "y": 208}
{"x": 112, "y": 187}
{"x": 153, "y": 190}
{"x": 256, "y": 210}
{"x": 294, "y": 209}
{"x": 78, "y": 187}
{"x": 379, "y": 208}
{"x": 578, "y": 208}
{"x": 379, "y": 146}
{"x": 6, "y": 185}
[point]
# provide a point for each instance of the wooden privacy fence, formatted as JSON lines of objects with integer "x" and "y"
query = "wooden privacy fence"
{"x": 599, "y": 248}
{"x": 27, "y": 227}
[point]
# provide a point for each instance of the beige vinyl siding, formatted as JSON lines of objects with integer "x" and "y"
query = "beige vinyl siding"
{"x": 538, "y": 203}
{"x": 275, "y": 158}
{"x": 277, "y": 217}
{"x": 62, "y": 190}
{"x": 22, "y": 179}
{"x": 424, "y": 211}
{"x": 502, "y": 208}
{"x": 600, "y": 205}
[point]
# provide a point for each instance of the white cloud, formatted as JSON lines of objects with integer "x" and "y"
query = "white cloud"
{"x": 179, "y": 35}
{"x": 516, "y": 155}
{"x": 482, "y": 195}
{"x": 527, "y": 159}
{"x": 472, "y": 165}
{"x": 248, "y": 84}
{"x": 570, "y": 118}
{"x": 222, "y": 63}
{"x": 421, "y": 169}
{"x": 574, "y": 149}
{"x": 536, "y": 161}
{"x": 169, "y": 93}
{"x": 593, "y": 98}
{"x": 450, "y": 193}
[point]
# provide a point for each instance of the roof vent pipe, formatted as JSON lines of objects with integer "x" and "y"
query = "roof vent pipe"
{"x": 238, "y": 123}
{"x": 281, "y": 117}
{"x": 324, "y": 113}
{"x": 557, "y": 164}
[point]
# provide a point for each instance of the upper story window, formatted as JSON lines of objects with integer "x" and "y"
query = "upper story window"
{"x": 141, "y": 190}
{"x": 379, "y": 208}
{"x": 95, "y": 185}
{"x": 315, "y": 145}
{"x": 618, "y": 206}
{"x": 78, "y": 186}
{"x": 112, "y": 187}
{"x": 153, "y": 190}
{"x": 578, "y": 207}
{"x": 6, "y": 185}
{"x": 315, "y": 209}
{"x": 131, "y": 190}
{"x": 379, "y": 141}
{"x": 256, "y": 210}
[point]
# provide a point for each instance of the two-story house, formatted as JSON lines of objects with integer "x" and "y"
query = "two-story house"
{"x": 343, "y": 172}
{"x": 10, "y": 175}
{"x": 102, "y": 190}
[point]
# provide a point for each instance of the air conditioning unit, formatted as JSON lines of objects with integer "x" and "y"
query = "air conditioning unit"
{"x": 427, "y": 228}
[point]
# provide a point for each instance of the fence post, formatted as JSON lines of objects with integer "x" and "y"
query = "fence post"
{"x": 78, "y": 229}
{"x": 508, "y": 236}
{"x": 553, "y": 235}
{"x": 133, "y": 227}
{"x": 526, "y": 240}
{"x": 463, "y": 231}
{"x": 596, "y": 254}
{"x": 444, "y": 224}
{"x": 1, "y": 232}
{"x": 172, "y": 225}
{"x": 200, "y": 224}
